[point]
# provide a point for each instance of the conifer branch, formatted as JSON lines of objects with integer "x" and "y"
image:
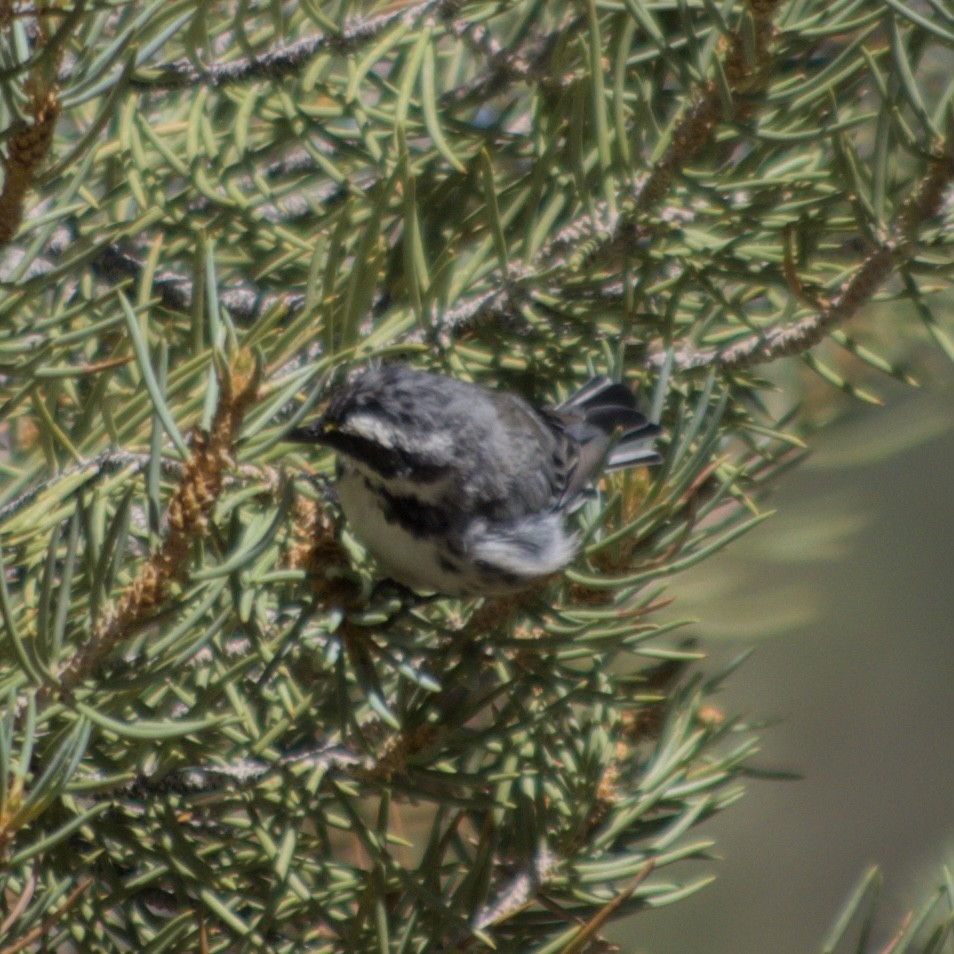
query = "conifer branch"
{"x": 747, "y": 74}
{"x": 290, "y": 59}
{"x": 598, "y": 238}
{"x": 507, "y": 192}
{"x": 244, "y": 303}
{"x": 50, "y": 921}
{"x": 525, "y": 60}
{"x": 896, "y": 249}
{"x": 30, "y": 143}
{"x": 188, "y": 517}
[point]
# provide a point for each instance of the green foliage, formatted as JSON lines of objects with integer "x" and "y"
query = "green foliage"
{"x": 928, "y": 930}
{"x": 217, "y": 733}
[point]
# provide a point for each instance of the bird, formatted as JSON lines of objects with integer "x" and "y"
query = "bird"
{"x": 465, "y": 491}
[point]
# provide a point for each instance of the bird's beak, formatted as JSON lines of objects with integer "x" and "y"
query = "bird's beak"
{"x": 315, "y": 433}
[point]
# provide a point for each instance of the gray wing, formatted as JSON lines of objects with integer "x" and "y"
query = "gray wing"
{"x": 521, "y": 460}
{"x": 599, "y": 413}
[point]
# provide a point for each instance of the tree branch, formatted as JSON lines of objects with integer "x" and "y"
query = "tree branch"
{"x": 896, "y": 249}
{"x": 289, "y": 60}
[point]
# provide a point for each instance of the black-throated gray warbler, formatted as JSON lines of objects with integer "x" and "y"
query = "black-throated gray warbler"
{"x": 463, "y": 490}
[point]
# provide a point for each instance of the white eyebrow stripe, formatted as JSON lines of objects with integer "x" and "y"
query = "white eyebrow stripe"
{"x": 372, "y": 427}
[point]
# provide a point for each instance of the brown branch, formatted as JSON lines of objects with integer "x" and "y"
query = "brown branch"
{"x": 527, "y": 887}
{"x": 289, "y": 60}
{"x": 600, "y": 238}
{"x": 26, "y": 895}
{"x": 896, "y": 249}
{"x": 27, "y": 150}
{"x": 588, "y": 931}
{"x": 244, "y": 301}
{"x": 188, "y": 517}
{"x": 692, "y": 133}
{"x": 520, "y": 891}
{"x": 316, "y": 548}
{"x": 747, "y": 75}
{"x": 524, "y": 61}
{"x": 49, "y": 921}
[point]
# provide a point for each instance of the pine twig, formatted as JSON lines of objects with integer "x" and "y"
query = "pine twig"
{"x": 289, "y": 60}
{"x": 29, "y": 145}
{"x": 188, "y": 517}
{"x": 896, "y": 249}
{"x": 49, "y": 921}
{"x": 599, "y": 238}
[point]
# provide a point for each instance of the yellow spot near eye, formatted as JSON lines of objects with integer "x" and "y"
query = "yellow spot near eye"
{"x": 329, "y": 427}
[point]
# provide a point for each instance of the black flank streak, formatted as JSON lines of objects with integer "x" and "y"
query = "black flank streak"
{"x": 419, "y": 519}
{"x": 494, "y": 574}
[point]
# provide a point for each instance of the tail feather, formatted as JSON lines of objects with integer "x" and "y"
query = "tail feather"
{"x": 635, "y": 446}
{"x": 609, "y": 431}
{"x": 623, "y": 456}
{"x": 611, "y": 418}
{"x": 600, "y": 392}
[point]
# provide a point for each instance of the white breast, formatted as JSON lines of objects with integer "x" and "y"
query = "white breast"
{"x": 484, "y": 558}
{"x": 409, "y": 559}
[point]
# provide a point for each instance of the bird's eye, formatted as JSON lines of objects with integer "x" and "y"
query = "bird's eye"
{"x": 329, "y": 427}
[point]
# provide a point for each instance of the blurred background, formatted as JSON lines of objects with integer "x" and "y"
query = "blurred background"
{"x": 847, "y": 595}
